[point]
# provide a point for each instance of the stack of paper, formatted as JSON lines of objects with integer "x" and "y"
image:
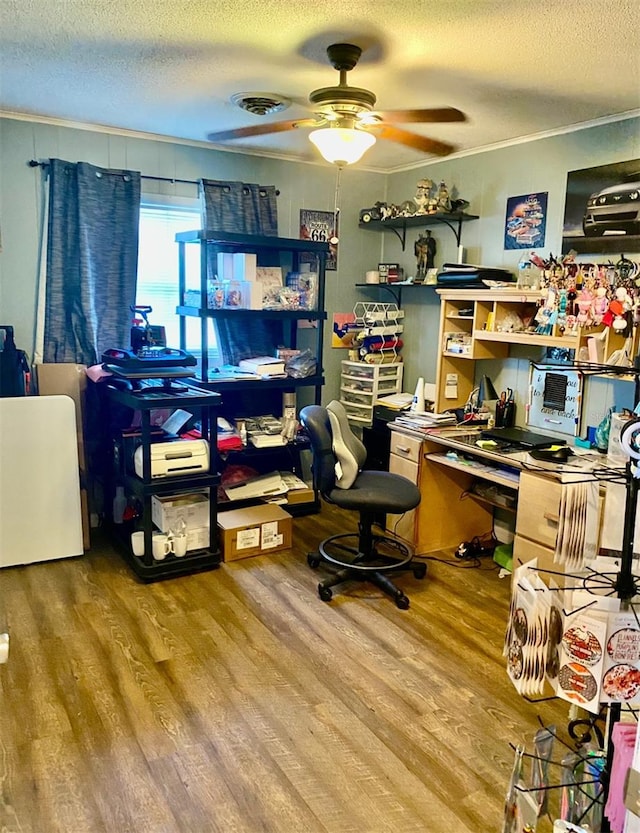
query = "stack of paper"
{"x": 425, "y": 420}
{"x": 262, "y": 486}
{"x": 395, "y": 401}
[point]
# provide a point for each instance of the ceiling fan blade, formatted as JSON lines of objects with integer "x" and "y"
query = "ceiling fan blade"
{"x": 413, "y": 140}
{"x": 433, "y": 114}
{"x": 259, "y": 129}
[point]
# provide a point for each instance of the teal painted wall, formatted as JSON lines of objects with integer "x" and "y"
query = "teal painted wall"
{"x": 300, "y": 185}
{"x": 486, "y": 179}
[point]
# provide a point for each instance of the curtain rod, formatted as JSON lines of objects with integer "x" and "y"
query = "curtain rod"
{"x": 34, "y": 163}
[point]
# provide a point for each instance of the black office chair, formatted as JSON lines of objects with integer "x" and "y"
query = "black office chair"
{"x": 338, "y": 456}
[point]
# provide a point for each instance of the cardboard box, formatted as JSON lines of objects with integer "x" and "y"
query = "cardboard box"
{"x": 244, "y": 266}
{"x": 295, "y": 496}
{"x": 198, "y": 539}
{"x": 255, "y": 530}
{"x": 68, "y": 379}
{"x": 225, "y": 266}
{"x": 168, "y": 510}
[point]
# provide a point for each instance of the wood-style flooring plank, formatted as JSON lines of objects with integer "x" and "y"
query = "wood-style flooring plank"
{"x": 235, "y": 701}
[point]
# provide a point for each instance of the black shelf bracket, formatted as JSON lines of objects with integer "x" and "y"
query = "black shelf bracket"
{"x": 397, "y": 296}
{"x": 399, "y": 225}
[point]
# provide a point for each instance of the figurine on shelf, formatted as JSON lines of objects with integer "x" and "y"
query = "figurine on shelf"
{"x": 443, "y": 199}
{"x": 600, "y": 304}
{"x": 423, "y": 191}
{"x": 424, "y": 249}
{"x": 459, "y": 205}
{"x": 585, "y": 307}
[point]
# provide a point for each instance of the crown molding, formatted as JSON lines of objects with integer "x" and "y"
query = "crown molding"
{"x": 521, "y": 140}
{"x": 159, "y": 137}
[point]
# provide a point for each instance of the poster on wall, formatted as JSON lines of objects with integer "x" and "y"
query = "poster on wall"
{"x": 602, "y": 209}
{"x": 321, "y": 227}
{"x": 526, "y": 223}
{"x": 344, "y": 330}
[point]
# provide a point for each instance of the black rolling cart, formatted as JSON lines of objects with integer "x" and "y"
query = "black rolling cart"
{"x": 145, "y": 399}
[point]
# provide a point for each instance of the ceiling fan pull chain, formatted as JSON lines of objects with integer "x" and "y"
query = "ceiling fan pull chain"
{"x": 336, "y": 208}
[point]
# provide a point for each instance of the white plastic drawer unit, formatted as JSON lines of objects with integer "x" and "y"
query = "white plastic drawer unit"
{"x": 356, "y": 397}
{"x": 405, "y": 447}
{"x": 357, "y": 412}
{"x": 362, "y": 370}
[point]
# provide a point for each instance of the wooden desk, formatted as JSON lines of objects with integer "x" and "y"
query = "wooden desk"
{"x": 444, "y": 463}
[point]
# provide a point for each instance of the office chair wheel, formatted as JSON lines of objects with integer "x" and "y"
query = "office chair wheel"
{"x": 313, "y": 560}
{"x": 419, "y": 570}
{"x": 325, "y": 593}
{"x": 402, "y": 601}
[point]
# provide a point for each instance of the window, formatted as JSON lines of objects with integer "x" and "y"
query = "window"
{"x": 157, "y": 285}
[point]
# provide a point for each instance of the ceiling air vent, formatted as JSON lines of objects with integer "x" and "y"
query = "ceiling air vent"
{"x": 260, "y": 104}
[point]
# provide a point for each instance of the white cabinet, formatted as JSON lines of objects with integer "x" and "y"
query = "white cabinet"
{"x": 362, "y": 383}
{"x": 40, "y": 517}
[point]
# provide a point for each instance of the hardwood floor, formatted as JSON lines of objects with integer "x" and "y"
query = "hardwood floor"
{"x": 235, "y": 701}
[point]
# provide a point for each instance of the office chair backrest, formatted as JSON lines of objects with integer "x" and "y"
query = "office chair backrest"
{"x": 316, "y": 421}
{"x": 349, "y": 452}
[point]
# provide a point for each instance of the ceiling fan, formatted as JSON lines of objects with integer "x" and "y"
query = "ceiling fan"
{"x": 346, "y": 124}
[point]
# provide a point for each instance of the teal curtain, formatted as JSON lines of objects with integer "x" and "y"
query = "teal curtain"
{"x": 241, "y": 208}
{"x": 92, "y": 260}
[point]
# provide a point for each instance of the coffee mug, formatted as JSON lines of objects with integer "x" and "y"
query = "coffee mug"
{"x": 179, "y": 545}
{"x": 161, "y": 546}
{"x": 137, "y": 543}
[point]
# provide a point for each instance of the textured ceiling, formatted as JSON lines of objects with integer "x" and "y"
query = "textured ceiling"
{"x": 169, "y": 67}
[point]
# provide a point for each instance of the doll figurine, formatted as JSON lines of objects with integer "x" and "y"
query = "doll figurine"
{"x": 423, "y": 191}
{"x": 585, "y": 305}
{"x": 625, "y": 301}
{"x": 600, "y": 304}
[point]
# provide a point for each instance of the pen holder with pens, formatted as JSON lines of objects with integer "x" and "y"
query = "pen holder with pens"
{"x": 505, "y": 413}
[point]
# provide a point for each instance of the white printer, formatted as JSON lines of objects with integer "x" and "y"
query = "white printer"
{"x": 172, "y": 459}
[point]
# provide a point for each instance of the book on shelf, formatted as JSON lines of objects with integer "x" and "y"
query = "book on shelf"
{"x": 231, "y": 372}
{"x": 263, "y": 366}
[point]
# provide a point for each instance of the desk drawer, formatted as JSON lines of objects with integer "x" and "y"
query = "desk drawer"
{"x": 404, "y": 526}
{"x": 538, "y": 507}
{"x": 525, "y": 550}
{"x": 408, "y": 448}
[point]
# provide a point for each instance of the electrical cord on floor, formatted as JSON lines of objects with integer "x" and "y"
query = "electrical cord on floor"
{"x": 466, "y": 560}
{"x": 469, "y": 554}
{"x": 461, "y": 563}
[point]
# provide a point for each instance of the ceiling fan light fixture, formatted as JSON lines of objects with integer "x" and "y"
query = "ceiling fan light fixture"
{"x": 342, "y": 145}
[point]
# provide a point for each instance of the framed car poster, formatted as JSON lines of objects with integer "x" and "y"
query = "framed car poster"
{"x": 526, "y": 222}
{"x": 602, "y": 209}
